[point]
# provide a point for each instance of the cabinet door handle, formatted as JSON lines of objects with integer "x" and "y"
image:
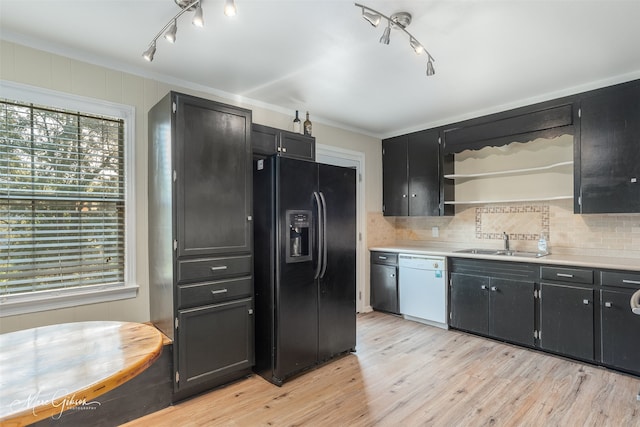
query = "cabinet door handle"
{"x": 608, "y": 304}
{"x": 219, "y": 291}
{"x": 382, "y": 257}
{"x": 404, "y": 196}
{"x": 494, "y": 288}
{"x": 634, "y": 180}
{"x": 564, "y": 275}
{"x": 585, "y": 301}
{"x": 284, "y": 149}
{"x": 413, "y": 195}
{"x": 483, "y": 287}
{"x": 631, "y": 282}
{"x": 222, "y": 267}
{"x": 392, "y": 275}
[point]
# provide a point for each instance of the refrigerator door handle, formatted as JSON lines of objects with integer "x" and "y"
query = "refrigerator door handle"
{"x": 324, "y": 235}
{"x": 320, "y": 232}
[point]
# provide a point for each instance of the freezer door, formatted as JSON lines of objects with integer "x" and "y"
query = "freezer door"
{"x": 296, "y": 292}
{"x": 337, "y": 287}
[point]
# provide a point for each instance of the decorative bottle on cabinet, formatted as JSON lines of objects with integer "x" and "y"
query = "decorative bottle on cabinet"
{"x": 307, "y": 126}
{"x": 296, "y": 124}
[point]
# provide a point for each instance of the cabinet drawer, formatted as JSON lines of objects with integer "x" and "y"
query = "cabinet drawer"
{"x": 387, "y": 258}
{"x": 573, "y": 275}
{"x": 213, "y": 292}
{"x": 625, "y": 279}
{"x": 213, "y": 268}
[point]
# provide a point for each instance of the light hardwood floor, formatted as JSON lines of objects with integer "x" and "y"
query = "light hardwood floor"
{"x": 408, "y": 374}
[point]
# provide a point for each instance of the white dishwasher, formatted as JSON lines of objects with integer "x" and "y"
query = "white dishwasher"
{"x": 422, "y": 283}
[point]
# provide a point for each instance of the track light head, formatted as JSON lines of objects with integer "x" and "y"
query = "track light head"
{"x": 415, "y": 44}
{"x": 170, "y": 35}
{"x": 430, "y": 70}
{"x": 230, "y": 8}
{"x": 386, "y": 35}
{"x": 198, "y": 19}
{"x": 371, "y": 18}
{"x": 148, "y": 54}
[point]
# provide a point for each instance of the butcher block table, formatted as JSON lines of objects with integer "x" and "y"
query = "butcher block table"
{"x": 45, "y": 371}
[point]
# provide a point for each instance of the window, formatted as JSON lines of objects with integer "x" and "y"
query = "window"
{"x": 63, "y": 206}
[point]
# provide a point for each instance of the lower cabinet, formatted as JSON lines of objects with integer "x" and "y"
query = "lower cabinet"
{"x": 566, "y": 320}
{"x": 620, "y": 327}
{"x": 577, "y": 312}
{"x": 384, "y": 282}
{"x": 216, "y": 341}
{"x": 500, "y": 307}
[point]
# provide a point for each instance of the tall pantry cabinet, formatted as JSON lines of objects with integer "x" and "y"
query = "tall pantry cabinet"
{"x": 201, "y": 239}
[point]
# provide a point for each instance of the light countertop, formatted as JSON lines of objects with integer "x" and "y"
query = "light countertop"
{"x": 613, "y": 263}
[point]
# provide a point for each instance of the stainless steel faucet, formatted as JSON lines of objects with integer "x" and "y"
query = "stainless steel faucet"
{"x": 505, "y": 236}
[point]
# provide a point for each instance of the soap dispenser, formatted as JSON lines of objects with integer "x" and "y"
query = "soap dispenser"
{"x": 543, "y": 246}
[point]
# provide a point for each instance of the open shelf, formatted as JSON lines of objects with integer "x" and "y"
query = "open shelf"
{"x": 509, "y": 172}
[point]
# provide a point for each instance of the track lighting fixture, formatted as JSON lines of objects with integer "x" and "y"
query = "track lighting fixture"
{"x": 400, "y": 21}
{"x": 171, "y": 28}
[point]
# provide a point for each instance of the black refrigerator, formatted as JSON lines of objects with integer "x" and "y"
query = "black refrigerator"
{"x": 304, "y": 264}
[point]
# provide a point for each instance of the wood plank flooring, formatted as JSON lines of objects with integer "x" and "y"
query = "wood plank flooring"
{"x": 408, "y": 374}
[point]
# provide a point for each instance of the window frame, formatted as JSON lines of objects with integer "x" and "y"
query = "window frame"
{"x": 11, "y": 305}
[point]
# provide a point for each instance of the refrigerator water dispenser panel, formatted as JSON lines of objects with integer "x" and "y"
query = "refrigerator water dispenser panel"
{"x": 299, "y": 242}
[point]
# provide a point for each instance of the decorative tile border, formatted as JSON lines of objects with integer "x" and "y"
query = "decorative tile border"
{"x": 511, "y": 222}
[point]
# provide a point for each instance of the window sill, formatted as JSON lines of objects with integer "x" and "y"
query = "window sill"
{"x": 13, "y": 305}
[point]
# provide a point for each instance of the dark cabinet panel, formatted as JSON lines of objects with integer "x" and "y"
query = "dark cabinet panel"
{"x": 212, "y": 177}
{"x": 609, "y": 151}
{"x": 521, "y": 125}
{"x": 424, "y": 177}
{"x": 297, "y": 146}
{"x": 267, "y": 141}
{"x": 395, "y": 185}
{"x": 512, "y": 312}
{"x": 215, "y": 341}
{"x": 620, "y": 331}
{"x": 470, "y": 303}
{"x": 384, "y": 288}
{"x": 566, "y": 320}
{"x": 411, "y": 174}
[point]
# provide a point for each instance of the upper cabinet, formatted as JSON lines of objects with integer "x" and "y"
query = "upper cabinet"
{"x": 411, "y": 175}
{"x": 267, "y": 141}
{"x": 546, "y": 120}
{"x": 609, "y": 169}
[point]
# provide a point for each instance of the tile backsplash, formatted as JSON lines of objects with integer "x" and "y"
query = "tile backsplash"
{"x": 482, "y": 226}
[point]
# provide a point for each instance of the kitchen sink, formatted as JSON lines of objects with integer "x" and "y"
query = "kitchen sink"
{"x": 501, "y": 252}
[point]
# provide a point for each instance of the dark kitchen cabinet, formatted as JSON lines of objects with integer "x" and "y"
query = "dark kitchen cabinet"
{"x": 566, "y": 320}
{"x": 411, "y": 174}
{"x": 216, "y": 342}
{"x": 609, "y": 163}
{"x": 267, "y": 141}
{"x": 470, "y": 303}
{"x": 384, "y": 282}
{"x": 201, "y": 239}
{"x": 620, "y": 327}
{"x": 489, "y": 299}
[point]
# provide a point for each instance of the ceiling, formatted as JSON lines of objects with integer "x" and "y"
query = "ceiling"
{"x": 321, "y": 56}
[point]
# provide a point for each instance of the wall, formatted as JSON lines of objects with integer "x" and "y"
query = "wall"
{"x": 37, "y": 68}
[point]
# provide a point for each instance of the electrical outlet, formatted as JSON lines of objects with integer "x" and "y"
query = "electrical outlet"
{"x": 435, "y": 232}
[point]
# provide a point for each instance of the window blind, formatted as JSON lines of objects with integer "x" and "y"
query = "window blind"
{"x": 61, "y": 199}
